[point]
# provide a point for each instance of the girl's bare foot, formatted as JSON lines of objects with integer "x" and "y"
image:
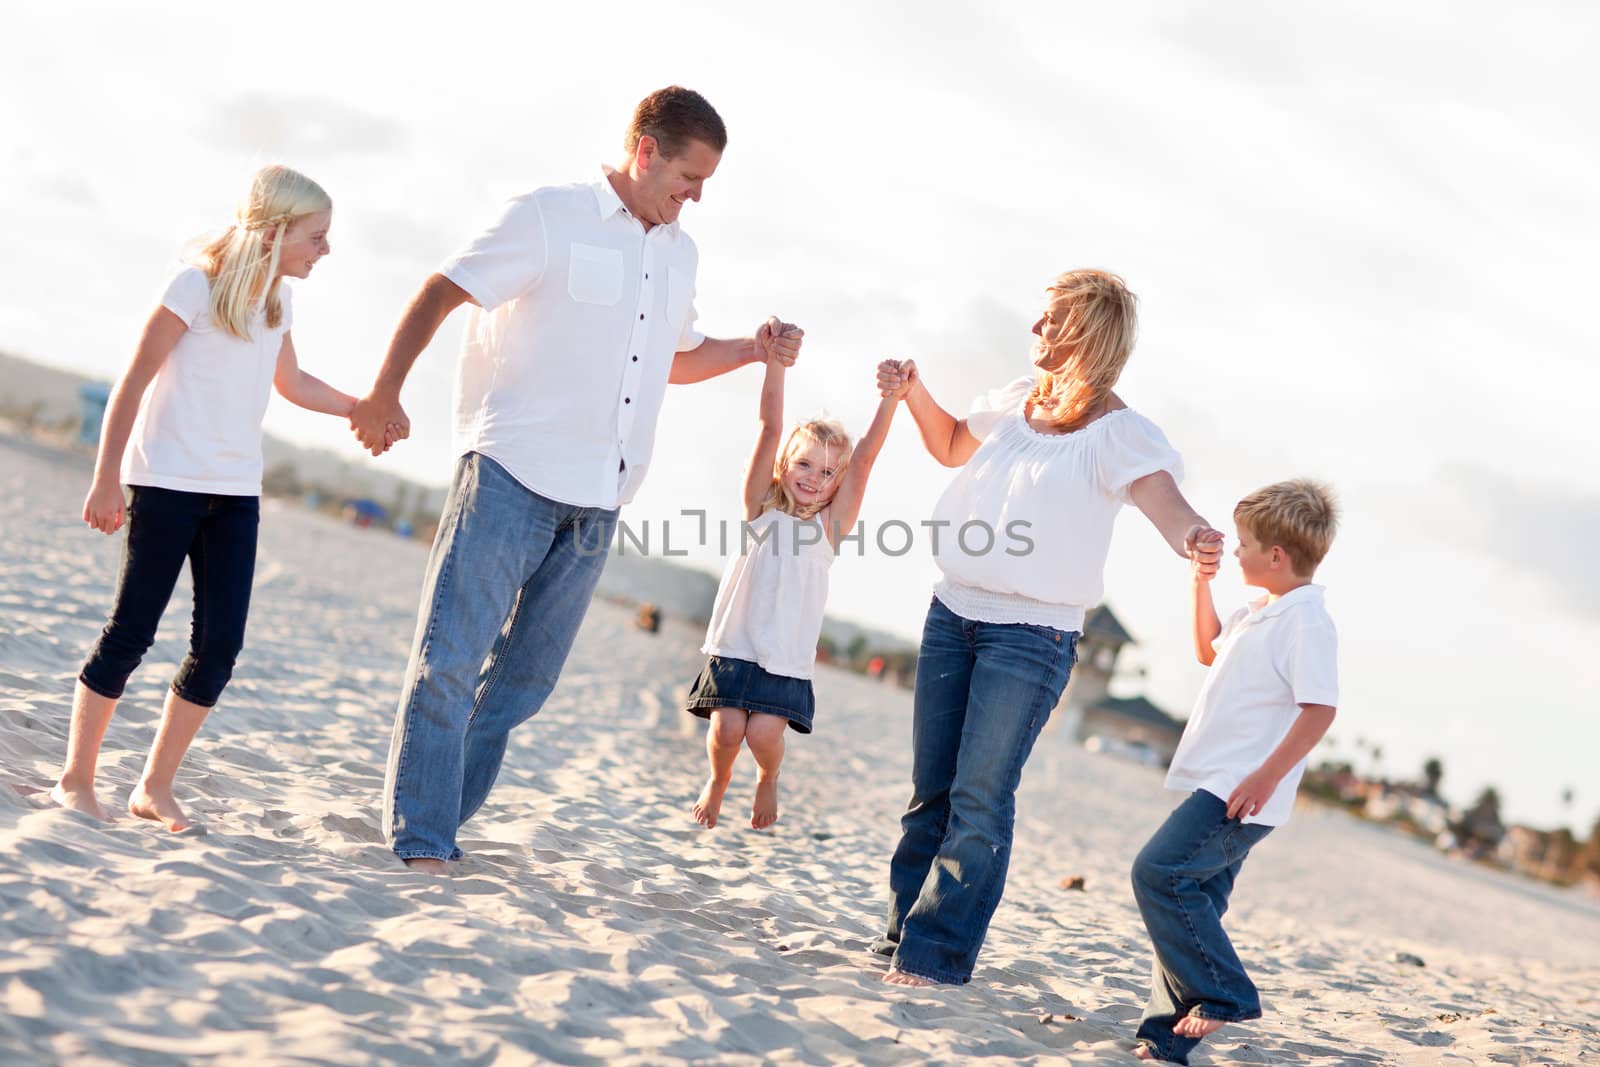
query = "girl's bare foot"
{"x": 764, "y": 810}
{"x": 1143, "y": 1052}
{"x": 1197, "y": 1026}
{"x": 902, "y": 978}
{"x": 158, "y": 805}
{"x": 427, "y": 865}
{"x": 82, "y": 800}
{"x": 709, "y": 805}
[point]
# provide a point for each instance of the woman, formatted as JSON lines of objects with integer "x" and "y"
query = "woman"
{"x": 1049, "y": 460}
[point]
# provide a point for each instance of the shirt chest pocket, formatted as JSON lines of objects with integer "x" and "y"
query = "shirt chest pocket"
{"x": 594, "y": 275}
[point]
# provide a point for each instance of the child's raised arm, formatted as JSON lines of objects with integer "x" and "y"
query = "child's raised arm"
{"x": 104, "y": 508}
{"x": 1202, "y": 568}
{"x": 758, "y": 475}
{"x": 306, "y": 390}
{"x": 846, "y": 503}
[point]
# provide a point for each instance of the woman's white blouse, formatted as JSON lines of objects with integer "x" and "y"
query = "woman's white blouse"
{"x": 1049, "y": 501}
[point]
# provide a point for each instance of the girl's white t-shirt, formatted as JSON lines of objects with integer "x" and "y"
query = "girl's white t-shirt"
{"x": 1048, "y": 501}
{"x": 199, "y": 424}
{"x": 769, "y": 606}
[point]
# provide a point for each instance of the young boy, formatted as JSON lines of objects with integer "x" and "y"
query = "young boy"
{"x": 1266, "y": 702}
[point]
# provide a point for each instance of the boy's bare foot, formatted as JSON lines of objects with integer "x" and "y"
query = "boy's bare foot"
{"x": 764, "y": 811}
{"x": 1197, "y": 1026}
{"x": 902, "y": 978}
{"x": 709, "y": 805}
{"x": 1143, "y": 1052}
{"x": 158, "y": 805}
{"x": 82, "y": 800}
{"x": 427, "y": 865}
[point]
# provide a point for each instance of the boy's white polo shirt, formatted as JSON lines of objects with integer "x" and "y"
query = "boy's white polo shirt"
{"x": 565, "y": 360}
{"x": 1271, "y": 658}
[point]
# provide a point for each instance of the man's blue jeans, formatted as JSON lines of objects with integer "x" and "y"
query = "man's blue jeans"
{"x": 984, "y": 691}
{"x": 1182, "y": 880}
{"x": 507, "y": 585}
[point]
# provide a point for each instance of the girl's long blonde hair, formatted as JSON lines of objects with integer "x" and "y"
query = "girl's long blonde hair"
{"x": 242, "y": 269}
{"x": 830, "y": 434}
{"x": 1082, "y": 367}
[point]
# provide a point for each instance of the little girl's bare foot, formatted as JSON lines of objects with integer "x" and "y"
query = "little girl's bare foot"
{"x": 1197, "y": 1026}
{"x": 82, "y": 800}
{"x": 764, "y": 810}
{"x": 1143, "y": 1052}
{"x": 709, "y": 805}
{"x": 159, "y": 806}
{"x": 902, "y": 978}
{"x": 427, "y": 865}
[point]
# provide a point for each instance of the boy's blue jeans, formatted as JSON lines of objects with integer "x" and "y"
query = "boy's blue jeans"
{"x": 507, "y": 585}
{"x": 1182, "y": 880}
{"x": 984, "y": 691}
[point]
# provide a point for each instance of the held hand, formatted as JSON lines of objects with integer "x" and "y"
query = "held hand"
{"x": 1204, "y": 546}
{"x": 104, "y": 507}
{"x": 895, "y": 378}
{"x": 1252, "y": 794}
{"x": 780, "y": 340}
{"x": 378, "y": 421}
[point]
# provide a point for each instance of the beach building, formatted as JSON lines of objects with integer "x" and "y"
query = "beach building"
{"x": 1087, "y": 711}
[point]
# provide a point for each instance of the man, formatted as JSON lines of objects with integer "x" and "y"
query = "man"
{"x": 584, "y": 312}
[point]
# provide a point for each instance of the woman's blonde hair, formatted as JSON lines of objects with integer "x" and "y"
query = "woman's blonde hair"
{"x": 1100, "y": 318}
{"x": 242, "y": 269}
{"x": 829, "y": 433}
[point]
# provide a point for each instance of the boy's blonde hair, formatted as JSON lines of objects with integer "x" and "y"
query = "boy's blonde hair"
{"x": 1101, "y": 319}
{"x": 830, "y": 434}
{"x": 242, "y": 270}
{"x": 1299, "y": 515}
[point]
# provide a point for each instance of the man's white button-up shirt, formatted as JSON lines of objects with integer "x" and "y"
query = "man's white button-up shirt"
{"x": 565, "y": 360}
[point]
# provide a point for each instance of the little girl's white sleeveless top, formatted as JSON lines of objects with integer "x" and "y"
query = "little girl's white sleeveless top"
{"x": 769, "y": 606}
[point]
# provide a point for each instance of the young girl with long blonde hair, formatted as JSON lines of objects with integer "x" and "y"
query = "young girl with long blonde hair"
{"x": 799, "y": 501}
{"x": 183, "y": 432}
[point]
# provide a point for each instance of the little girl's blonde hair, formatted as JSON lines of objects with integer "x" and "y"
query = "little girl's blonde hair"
{"x": 830, "y": 434}
{"x": 242, "y": 270}
{"x": 1082, "y": 367}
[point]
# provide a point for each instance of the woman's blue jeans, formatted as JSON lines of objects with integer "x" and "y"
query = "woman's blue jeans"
{"x": 984, "y": 691}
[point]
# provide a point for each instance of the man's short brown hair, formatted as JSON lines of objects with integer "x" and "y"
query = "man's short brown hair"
{"x": 1300, "y": 516}
{"x": 674, "y": 116}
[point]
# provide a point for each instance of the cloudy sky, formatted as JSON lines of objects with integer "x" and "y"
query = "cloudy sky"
{"x": 1362, "y": 237}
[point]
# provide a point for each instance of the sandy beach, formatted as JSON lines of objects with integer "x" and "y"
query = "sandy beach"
{"x": 593, "y": 922}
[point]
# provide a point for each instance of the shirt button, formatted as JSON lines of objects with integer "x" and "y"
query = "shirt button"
{"x": 636, "y": 359}
{"x": 627, "y": 400}
{"x": 641, "y": 316}
{"x": 647, "y": 277}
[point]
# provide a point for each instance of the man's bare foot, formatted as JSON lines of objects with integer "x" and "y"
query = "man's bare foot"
{"x": 1197, "y": 1026}
{"x": 158, "y": 805}
{"x": 1143, "y": 1052}
{"x": 902, "y": 978}
{"x": 709, "y": 805}
{"x": 764, "y": 810}
{"x": 82, "y": 800}
{"x": 427, "y": 865}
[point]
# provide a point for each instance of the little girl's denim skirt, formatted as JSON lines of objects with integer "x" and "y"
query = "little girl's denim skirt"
{"x": 738, "y": 683}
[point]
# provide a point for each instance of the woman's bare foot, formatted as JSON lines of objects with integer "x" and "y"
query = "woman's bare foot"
{"x": 1197, "y": 1026}
{"x": 159, "y": 806}
{"x": 764, "y": 810}
{"x": 82, "y": 800}
{"x": 709, "y": 805}
{"x": 902, "y": 978}
{"x": 427, "y": 865}
{"x": 1143, "y": 1052}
